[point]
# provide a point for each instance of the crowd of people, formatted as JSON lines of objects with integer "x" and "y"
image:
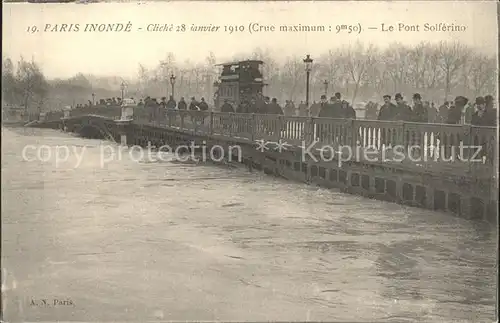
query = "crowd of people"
{"x": 481, "y": 112}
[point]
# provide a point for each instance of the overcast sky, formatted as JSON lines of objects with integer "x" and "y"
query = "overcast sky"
{"x": 63, "y": 54}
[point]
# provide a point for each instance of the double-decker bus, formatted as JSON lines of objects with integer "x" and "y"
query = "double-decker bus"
{"x": 239, "y": 82}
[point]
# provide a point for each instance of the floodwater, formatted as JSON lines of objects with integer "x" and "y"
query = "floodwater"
{"x": 149, "y": 241}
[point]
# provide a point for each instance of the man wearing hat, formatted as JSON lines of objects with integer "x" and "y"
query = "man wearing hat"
{"x": 325, "y": 108}
{"x": 203, "y": 105}
{"x": 404, "y": 112}
{"x": 315, "y": 108}
{"x": 387, "y": 111}
{"x": 194, "y": 104}
{"x": 420, "y": 113}
{"x": 455, "y": 112}
{"x": 480, "y": 117}
{"x": 274, "y": 107}
{"x": 338, "y": 106}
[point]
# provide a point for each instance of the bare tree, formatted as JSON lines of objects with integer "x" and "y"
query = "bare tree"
{"x": 482, "y": 73}
{"x": 10, "y": 89}
{"x": 291, "y": 74}
{"x": 434, "y": 70}
{"x": 396, "y": 61}
{"x": 143, "y": 79}
{"x": 452, "y": 56}
{"x": 31, "y": 82}
{"x": 416, "y": 64}
{"x": 330, "y": 66}
{"x": 357, "y": 59}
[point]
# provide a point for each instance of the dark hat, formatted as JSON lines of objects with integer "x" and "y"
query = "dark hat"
{"x": 417, "y": 96}
{"x": 192, "y": 98}
{"x": 337, "y": 95}
{"x": 461, "y": 99}
{"x": 488, "y": 98}
{"x": 275, "y": 100}
{"x": 202, "y": 99}
{"x": 387, "y": 96}
{"x": 323, "y": 97}
{"x": 398, "y": 96}
{"x": 480, "y": 100}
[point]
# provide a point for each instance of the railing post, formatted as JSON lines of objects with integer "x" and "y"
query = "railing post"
{"x": 467, "y": 143}
{"x": 309, "y": 131}
{"x": 253, "y": 127}
{"x": 211, "y": 123}
{"x": 400, "y": 140}
{"x": 281, "y": 127}
{"x": 354, "y": 134}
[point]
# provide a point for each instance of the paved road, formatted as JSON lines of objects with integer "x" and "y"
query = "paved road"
{"x": 143, "y": 241}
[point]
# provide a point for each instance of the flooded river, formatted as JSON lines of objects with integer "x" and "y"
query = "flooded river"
{"x": 150, "y": 241}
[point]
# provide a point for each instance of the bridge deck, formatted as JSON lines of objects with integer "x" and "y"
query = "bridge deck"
{"x": 436, "y": 146}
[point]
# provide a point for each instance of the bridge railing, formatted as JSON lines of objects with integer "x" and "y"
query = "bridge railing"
{"x": 441, "y": 143}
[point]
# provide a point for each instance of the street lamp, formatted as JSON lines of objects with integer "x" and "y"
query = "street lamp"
{"x": 93, "y": 98}
{"x": 122, "y": 87}
{"x": 308, "y": 61}
{"x": 325, "y": 83}
{"x": 172, "y": 82}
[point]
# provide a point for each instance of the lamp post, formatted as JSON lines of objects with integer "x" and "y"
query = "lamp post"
{"x": 325, "y": 83}
{"x": 122, "y": 87}
{"x": 308, "y": 61}
{"x": 172, "y": 82}
{"x": 93, "y": 98}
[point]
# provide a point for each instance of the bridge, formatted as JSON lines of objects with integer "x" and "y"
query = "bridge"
{"x": 450, "y": 168}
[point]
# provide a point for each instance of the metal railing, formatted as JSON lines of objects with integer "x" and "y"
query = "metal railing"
{"x": 462, "y": 145}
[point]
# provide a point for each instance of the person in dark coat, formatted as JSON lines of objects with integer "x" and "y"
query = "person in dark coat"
{"x": 150, "y": 108}
{"x": 490, "y": 110}
{"x": 274, "y": 107}
{"x": 193, "y": 105}
{"x": 203, "y": 105}
{"x": 455, "y": 112}
{"x": 227, "y": 107}
{"x": 303, "y": 109}
{"x": 225, "y": 120}
{"x": 252, "y": 107}
{"x": 388, "y": 111}
{"x": 489, "y": 102}
{"x": 403, "y": 111}
{"x": 163, "y": 103}
{"x": 171, "y": 104}
{"x": 162, "y": 110}
{"x": 484, "y": 116}
{"x": 314, "y": 109}
{"x": 325, "y": 109}
{"x": 348, "y": 111}
{"x": 338, "y": 106}
{"x": 419, "y": 112}
{"x": 443, "y": 113}
{"x": 261, "y": 105}
{"x": 433, "y": 113}
{"x": 243, "y": 107}
{"x": 182, "y": 105}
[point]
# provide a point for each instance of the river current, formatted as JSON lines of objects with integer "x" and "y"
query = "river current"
{"x": 149, "y": 241}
